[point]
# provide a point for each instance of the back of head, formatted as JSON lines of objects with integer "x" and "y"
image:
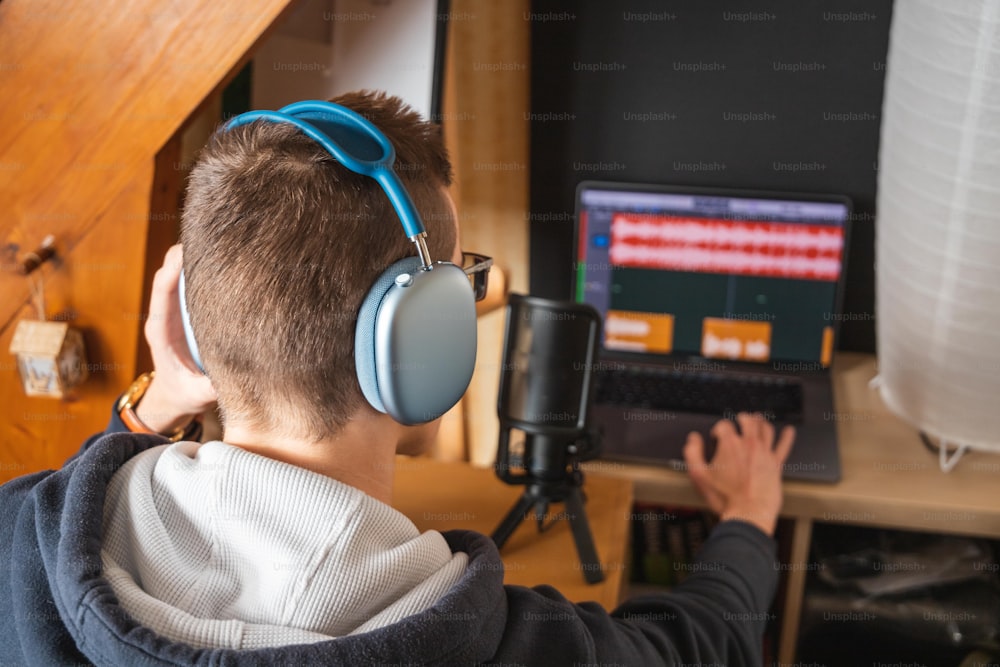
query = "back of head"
{"x": 281, "y": 243}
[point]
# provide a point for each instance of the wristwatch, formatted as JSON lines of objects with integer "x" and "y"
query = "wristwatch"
{"x": 130, "y": 399}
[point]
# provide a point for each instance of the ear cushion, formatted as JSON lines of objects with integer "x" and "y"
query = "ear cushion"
{"x": 186, "y": 322}
{"x": 364, "y": 332}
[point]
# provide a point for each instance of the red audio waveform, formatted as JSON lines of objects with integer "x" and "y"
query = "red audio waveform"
{"x": 710, "y": 245}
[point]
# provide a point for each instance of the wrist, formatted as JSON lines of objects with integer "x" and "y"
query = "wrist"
{"x": 144, "y": 408}
{"x": 766, "y": 520}
{"x": 157, "y": 413}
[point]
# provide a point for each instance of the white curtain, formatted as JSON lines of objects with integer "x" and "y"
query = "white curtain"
{"x": 938, "y": 221}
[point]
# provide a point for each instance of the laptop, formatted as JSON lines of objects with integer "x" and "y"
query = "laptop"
{"x": 714, "y": 302}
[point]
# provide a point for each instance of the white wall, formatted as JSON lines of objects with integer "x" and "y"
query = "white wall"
{"x": 328, "y": 47}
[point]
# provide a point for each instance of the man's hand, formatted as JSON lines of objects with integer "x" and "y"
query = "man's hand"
{"x": 179, "y": 391}
{"x": 743, "y": 479}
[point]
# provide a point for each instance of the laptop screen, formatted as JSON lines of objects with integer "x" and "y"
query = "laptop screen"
{"x": 722, "y": 275}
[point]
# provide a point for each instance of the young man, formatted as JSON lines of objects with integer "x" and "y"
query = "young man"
{"x": 278, "y": 545}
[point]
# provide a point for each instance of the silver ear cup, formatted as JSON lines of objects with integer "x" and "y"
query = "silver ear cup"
{"x": 425, "y": 343}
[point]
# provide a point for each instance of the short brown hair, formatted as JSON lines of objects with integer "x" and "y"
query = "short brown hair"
{"x": 281, "y": 243}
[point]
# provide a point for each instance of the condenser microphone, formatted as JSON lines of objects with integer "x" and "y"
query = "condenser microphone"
{"x": 546, "y": 387}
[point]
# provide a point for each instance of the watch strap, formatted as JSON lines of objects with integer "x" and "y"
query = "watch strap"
{"x": 130, "y": 399}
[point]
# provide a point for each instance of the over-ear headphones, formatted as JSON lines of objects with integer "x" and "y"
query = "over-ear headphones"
{"x": 415, "y": 337}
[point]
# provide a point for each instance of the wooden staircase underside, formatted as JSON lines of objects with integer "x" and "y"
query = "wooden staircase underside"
{"x": 92, "y": 92}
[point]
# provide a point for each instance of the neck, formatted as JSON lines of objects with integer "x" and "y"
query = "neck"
{"x": 362, "y": 454}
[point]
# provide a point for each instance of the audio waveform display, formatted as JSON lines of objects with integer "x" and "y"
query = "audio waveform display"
{"x": 710, "y": 245}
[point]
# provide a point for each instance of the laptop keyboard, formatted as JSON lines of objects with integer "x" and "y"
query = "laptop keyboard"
{"x": 778, "y": 398}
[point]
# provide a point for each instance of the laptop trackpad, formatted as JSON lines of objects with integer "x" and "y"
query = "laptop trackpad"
{"x": 653, "y": 436}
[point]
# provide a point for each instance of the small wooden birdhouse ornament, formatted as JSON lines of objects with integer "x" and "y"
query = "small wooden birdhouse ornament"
{"x": 50, "y": 357}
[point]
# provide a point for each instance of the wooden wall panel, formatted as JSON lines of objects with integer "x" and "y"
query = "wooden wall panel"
{"x": 486, "y": 128}
{"x": 92, "y": 93}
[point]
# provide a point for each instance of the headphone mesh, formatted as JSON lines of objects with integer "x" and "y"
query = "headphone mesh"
{"x": 364, "y": 333}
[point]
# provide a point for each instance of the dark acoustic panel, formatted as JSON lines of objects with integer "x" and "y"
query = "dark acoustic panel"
{"x": 785, "y": 96}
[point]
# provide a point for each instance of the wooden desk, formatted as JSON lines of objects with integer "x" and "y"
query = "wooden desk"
{"x": 889, "y": 480}
{"x": 443, "y": 496}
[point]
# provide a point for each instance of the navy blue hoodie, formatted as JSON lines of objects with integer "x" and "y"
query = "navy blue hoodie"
{"x": 56, "y": 608}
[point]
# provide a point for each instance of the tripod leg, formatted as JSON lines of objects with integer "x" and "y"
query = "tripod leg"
{"x": 510, "y": 522}
{"x": 585, "y": 548}
{"x": 541, "y": 511}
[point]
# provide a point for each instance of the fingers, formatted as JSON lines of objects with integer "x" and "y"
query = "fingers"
{"x": 785, "y": 442}
{"x": 694, "y": 452}
{"x": 749, "y": 426}
{"x": 756, "y": 429}
{"x": 163, "y": 298}
{"x": 166, "y": 278}
{"x": 698, "y": 471}
{"x": 173, "y": 261}
{"x": 723, "y": 429}
{"x": 164, "y": 331}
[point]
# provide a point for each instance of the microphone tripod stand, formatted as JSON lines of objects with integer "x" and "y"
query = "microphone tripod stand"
{"x": 552, "y": 475}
